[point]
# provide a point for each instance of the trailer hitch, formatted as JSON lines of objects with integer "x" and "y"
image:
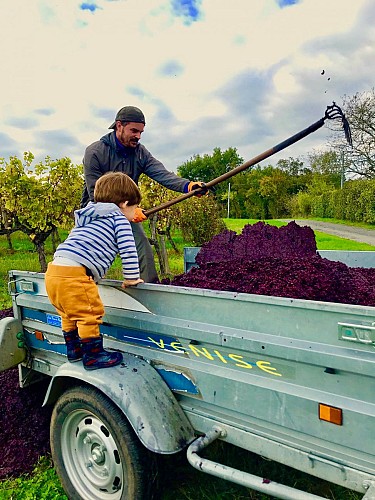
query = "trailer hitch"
{"x": 333, "y": 112}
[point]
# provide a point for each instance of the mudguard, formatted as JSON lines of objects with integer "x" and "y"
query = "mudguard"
{"x": 140, "y": 392}
{"x": 12, "y": 352}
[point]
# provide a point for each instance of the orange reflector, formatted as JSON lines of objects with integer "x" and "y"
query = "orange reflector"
{"x": 39, "y": 335}
{"x": 330, "y": 414}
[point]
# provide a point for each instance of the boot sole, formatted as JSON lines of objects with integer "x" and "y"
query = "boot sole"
{"x": 88, "y": 368}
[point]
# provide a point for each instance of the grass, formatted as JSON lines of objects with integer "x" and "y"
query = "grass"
{"x": 41, "y": 483}
{"x": 179, "y": 480}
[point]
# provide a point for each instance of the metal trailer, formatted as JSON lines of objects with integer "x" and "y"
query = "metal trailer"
{"x": 291, "y": 380}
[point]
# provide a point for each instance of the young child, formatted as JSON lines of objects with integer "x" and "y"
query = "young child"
{"x": 102, "y": 230}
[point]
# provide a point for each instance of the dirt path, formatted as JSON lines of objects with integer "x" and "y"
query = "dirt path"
{"x": 341, "y": 230}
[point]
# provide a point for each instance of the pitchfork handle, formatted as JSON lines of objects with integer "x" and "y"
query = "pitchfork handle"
{"x": 297, "y": 137}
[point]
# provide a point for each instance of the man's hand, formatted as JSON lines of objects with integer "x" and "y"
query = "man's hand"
{"x": 139, "y": 215}
{"x": 197, "y": 185}
{"x": 127, "y": 283}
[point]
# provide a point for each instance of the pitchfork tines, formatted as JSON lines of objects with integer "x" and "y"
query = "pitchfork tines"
{"x": 334, "y": 112}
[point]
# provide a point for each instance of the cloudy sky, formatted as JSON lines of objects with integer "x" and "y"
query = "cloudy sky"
{"x": 206, "y": 73}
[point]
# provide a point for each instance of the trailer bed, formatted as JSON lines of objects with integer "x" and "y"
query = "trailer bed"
{"x": 292, "y": 380}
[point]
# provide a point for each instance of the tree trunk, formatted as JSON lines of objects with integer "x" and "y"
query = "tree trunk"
{"x": 170, "y": 239}
{"x": 38, "y": 240}
{"x": 41, "y": 255}
{"x": 164, "y": 255}
{"x": 55, "y": 237}
{"x": 155, "y": 242}
{"x": 9, "y": 240}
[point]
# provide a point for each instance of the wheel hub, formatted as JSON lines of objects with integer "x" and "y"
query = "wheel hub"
{"x": 98, "y": 455}
{"x": 91, "y": 455}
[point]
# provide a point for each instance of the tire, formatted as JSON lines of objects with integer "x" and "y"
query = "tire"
{"x": 96, "y": 454}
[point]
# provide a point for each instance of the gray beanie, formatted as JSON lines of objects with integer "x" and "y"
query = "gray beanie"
{"x": 129, "y": 114}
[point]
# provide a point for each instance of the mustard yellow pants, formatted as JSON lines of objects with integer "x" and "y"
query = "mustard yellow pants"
{"x": 76, "y": 299}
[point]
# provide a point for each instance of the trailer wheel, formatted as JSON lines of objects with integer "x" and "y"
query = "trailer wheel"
{"x": 96, "y": 454}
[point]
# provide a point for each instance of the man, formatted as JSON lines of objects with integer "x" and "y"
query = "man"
{"x": 121, "y": 151}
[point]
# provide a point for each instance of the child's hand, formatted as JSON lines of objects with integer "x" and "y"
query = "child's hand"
{"x": 127, "y": 283}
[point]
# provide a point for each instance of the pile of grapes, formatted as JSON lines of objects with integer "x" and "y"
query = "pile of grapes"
{"x": 24, "y": 424}
{"x": 283, "y": 262}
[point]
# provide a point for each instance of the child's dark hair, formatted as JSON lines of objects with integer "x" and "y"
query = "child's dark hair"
{"x": 116, "y": 187}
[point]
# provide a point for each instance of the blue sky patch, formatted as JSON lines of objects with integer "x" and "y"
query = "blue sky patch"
{"x": 88, "y": 6}
{"x": 187, "y": 9}
{"x": 135, "y": 91}
{"x": 45, "y": 111}
{"x": 286, "y": 3}
{"x": 171, "y": 68}
{"x": 24, "y": 123}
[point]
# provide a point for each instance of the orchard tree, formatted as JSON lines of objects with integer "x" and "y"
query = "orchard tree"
{"x": 40, "y": 198}
{"x": 160, "y": 223}
{"x": 7, "y": 226}
{"x": 7, "y": 222}
{"x": 199, "y": 219}
{"x": 154, "y": 194}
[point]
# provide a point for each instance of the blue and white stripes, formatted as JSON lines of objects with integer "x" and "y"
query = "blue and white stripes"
{"x": 101, "y": 232}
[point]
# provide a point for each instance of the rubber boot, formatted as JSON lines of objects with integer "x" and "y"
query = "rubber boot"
{"x": 73, "y": 345}
{"x": 95, "y": 357}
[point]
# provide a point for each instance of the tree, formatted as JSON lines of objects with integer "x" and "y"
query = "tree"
{"x": 208, "y": 167}
{"x": 264, "y": 192}
{"x": 7, "y": 226}
{"x": 160, "y": 223}
{"x": 199, "y": 219}
{"x": 328, "y": 165}
{"x": 42, "y": 198}
{"x": 8, "y": 223}
{"x": 360, "y": 112}
{"x": 299, "y": 175}
{"x": 292, "y": 166}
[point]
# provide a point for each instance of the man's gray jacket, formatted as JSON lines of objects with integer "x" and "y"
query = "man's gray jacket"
{"x": 105, "y": 156}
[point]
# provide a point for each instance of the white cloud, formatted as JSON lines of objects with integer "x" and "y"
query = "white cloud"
{"x": 248, "y": 74}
